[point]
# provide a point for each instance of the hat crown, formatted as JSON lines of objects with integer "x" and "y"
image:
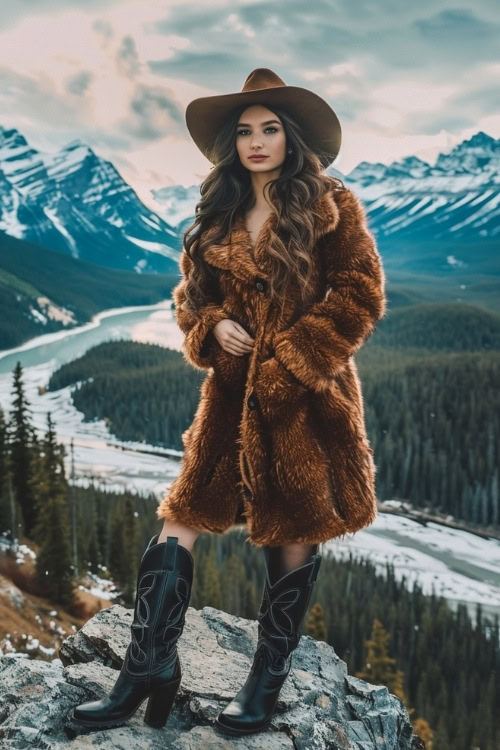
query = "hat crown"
{"x": 206, "y": 115}
{"x": 262, "y": 78}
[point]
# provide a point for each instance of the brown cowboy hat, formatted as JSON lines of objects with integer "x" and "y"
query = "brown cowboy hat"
{"x": 206, "y": 115}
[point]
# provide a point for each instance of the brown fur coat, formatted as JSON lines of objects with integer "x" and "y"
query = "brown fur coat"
{"x": 278, "y": 440}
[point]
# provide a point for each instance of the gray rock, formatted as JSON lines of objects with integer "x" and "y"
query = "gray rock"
{"x": 320, "y": 705}
{"x": 10, "y": 592}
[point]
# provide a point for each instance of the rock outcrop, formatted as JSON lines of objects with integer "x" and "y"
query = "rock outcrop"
{"x": 320, "y": 705}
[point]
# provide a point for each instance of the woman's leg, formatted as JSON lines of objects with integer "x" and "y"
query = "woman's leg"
{"x": 294, "y": 555}
{"x": 288, "y": 557}
{"x": 185, "y": 534}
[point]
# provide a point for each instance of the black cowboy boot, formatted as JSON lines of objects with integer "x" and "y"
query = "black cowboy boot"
{"x": 282, "y": 611}
{"x": 151, "y": 667}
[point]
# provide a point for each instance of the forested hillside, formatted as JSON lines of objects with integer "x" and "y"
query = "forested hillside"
{"x": 144, "y": 392}
{"x": 43, "y": 291}
{"x": 435, "y": 434}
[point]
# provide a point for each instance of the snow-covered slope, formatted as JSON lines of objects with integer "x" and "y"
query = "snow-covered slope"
{"x": 77, "y": 203}
{"x": 458, "y": 197}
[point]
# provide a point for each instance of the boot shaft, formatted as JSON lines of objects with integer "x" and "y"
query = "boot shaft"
{"x": 164, "y": 583}
{"x": 284, "y": 605}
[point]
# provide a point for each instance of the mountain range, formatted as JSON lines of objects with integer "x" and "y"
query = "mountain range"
{"x": 75, "y": 202}
{"x": 427, "y": 218}
{"x": 458, "y": 196}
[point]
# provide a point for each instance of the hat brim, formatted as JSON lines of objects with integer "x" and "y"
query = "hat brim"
{"x": 321, "y": 127}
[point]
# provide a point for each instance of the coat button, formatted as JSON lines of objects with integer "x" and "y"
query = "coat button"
{"x": 252, "y": 401}
{"x": 260, "y": 284}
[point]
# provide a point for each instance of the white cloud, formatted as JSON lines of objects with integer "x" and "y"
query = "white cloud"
{"x": 83, "y": 70}
{"x": 78, "y": 58}
{"x": 408, "y": 96}
{"x": 235, "y": 24}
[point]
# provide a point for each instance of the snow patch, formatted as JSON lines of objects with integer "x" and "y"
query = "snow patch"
{"x": 456, "y": 262}
{"x": 55, "y": 312}
{"x": 54, "y": 218}
{"x": 38, "y": 315}
{"x": 152, "y": 247}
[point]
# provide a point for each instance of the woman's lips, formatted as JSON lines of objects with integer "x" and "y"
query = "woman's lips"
{"x": 257, "y": 158}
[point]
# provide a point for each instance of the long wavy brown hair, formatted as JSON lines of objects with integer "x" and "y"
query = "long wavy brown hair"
{"x": 227, "y": 193}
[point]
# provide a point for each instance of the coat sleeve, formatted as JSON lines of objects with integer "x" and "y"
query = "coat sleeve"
{"x": 196, "y": 328}
{"x": 319, "y": 344}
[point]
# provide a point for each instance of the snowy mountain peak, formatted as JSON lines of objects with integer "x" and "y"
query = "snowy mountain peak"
{"x": 20, "y": 163}
{"x": 458, "y": 197}
{"x": 73, "y": 156}
{"x": 413, "y": 161}
{"x": 11, "y": 138}
{"x": 177, "y": 202}
{"x": 367, "y": 172}
{"x": 483, "y": 140}
{"x": 408, "y": 165}
{"x": 74, "y": 201}
{"x": 480, "y": 154}
{"x": 77, "y": 145}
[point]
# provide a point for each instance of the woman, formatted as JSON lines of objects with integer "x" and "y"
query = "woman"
{"x": 282, "y": 284}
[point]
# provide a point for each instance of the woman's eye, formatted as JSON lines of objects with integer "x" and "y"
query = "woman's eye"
{"x": 242, "y": 132}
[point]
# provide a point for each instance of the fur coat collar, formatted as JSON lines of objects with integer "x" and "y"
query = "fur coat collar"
{"x": 246, "y": 262}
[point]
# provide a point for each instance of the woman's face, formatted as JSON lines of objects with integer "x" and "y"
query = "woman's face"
{"x": 260, "y": 132}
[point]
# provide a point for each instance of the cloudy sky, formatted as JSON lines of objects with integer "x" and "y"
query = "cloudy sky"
{"x": 403, "y": 77}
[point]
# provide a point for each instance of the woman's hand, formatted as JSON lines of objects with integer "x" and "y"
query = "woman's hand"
{"x": 233, "y": 338}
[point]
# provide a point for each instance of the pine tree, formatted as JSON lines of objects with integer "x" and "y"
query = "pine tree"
{"x": 79, "y": 535}
{"x": 233, "y": 593}
{"x": 380, "y": 667}
{"x": 116, "y": 551}
{"x": 54, "y": 565}
{"x": 123, "y": 562}
{"x": 130, "y": 562}
{"x": 48, "y": 479}
{"x": 197, "y": 600}
{"x": 94, "y": 558}
{"x": 78, "y": 539}
{"x": 441, "y": 736}
{"x": 22, "y": 454}
{"x": 6, "y": 521}
{"x": 101, "y": 530}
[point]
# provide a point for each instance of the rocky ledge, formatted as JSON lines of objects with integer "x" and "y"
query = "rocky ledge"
{"x": 320, "y": 705}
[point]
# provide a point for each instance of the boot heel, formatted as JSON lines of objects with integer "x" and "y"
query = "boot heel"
{"x": 160, "y": 705}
